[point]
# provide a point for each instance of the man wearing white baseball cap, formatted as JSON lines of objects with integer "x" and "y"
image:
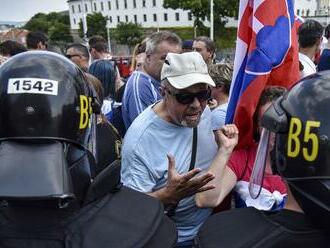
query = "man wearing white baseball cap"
{"x": 165, "y": 129}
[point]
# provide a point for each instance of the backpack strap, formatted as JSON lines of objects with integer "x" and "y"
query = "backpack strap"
{"x": 193, "y": 150}
{"x": 170, "y": 209}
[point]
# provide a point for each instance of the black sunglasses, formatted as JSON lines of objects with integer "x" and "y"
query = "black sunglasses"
{"x": 188, "y": 98}
{"x": 69, "y": 56}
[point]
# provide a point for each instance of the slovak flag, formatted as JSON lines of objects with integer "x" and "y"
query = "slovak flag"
{"x": 266, "y": 54}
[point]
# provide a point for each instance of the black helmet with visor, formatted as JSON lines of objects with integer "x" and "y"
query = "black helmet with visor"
{"x": 300, "y": 120}
{"x": 46, "y": 128}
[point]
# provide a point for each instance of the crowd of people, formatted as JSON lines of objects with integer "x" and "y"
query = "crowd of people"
{"x": 165, "y": 123}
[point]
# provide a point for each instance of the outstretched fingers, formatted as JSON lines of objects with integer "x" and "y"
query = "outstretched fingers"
{"x": 171, "y": 166}
{"x": 201, "y": 180}
{"x": 206, "y": 178}
{"x": 190, "y": 174}
{"x": 205, "y": 188}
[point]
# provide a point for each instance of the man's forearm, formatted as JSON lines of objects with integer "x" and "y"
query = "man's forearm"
{"x": 217, "y": 168}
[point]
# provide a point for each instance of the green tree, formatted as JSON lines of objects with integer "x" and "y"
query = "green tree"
{"x": 38, "y": 23}
{"x": 55, "y": 25}
{"x": 96, "y": 25}
{"x": 60, "y": 32}
{"x": 128, "y": 33}
{"x": 200, "y": 9}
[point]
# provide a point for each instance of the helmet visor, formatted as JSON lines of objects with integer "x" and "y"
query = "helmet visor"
{"x": 259, "y": 166}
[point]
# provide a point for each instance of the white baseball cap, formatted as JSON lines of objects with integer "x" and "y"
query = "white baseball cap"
{"x": 186, "y": 69}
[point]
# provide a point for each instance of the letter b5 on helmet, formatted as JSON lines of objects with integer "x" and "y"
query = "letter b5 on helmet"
{"x": 301, "y": 122}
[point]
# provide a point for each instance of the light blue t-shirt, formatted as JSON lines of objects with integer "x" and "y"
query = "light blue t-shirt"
{"x": 219, "y": 116}
{"x": 145, "y": 165}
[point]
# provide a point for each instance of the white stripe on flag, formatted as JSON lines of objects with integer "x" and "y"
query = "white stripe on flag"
{"x": 256, "y": 25}
{"x": 240, "y": 53}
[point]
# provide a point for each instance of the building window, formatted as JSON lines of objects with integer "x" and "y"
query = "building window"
{"x": 298, "y": 11}
{"x": 110, "y": 19}
{"x": 134, "y": 4}
{"x": 102, "y": 7}
{"x": 125, "y": 4}
{"x": 118, "y": 19}
{"x": 126, "y": 18}
{"x": 143, "y": 3}
{"x": 72, "y": 8}
{"x": 145, "y": 18}
{"x": 155, "y": 17}
{"x": 303, "y": 12}
{"x": 135, "y": 19}
{"x": 117, "y": 4}
{"x": 189, "y": 16}
{"x": 95, "y": 9}
{"x": 109, "y": 5}
{"x": 74, "y": 21}
{"x": 165, "y": 17}
{"x": 79, "y": 8}
{"x": 177, "y": 16}
{"x": 307, "y": 12}
{"x": 86, "y": 8}
{"x": 154, "y": 3}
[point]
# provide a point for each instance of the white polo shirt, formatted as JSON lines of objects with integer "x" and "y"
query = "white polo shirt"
{"x": 309, "y": 66}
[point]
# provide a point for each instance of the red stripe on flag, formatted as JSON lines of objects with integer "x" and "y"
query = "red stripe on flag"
{"x": 245, "y": 30}
{"x": 267, "y": 17}
{"x": 245, "y": 110}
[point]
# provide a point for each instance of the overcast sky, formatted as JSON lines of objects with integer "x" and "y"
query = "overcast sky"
{"x": 23, "y": 10}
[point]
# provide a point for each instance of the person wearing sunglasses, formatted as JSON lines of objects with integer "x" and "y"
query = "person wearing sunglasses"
{"x": 79, "y": 55}
{"x": 164, "y": 131}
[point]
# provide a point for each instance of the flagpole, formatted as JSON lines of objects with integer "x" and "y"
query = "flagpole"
{"x": 108, "y": 35}
{"x": 84, "y": 21}
{"x": 211, "y": 20}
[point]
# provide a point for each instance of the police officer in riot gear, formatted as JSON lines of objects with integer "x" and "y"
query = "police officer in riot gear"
{"x": 301, "y": 124}
{"x": 50, "y": 194}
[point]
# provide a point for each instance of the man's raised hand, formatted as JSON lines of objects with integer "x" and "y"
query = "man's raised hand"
{"x": 180, "y": 186}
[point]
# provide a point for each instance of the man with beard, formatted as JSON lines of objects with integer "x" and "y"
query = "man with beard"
{"x": 166, "y": 129}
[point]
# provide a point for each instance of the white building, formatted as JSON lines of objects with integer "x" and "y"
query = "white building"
{"x": 323, "y": 7}
{"x": 149, "y": 13}
{"x": 318, "y": 10}
{"x": 307, "y": 8}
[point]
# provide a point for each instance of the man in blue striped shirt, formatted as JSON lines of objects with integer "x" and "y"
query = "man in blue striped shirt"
{"x": 143, "y": 87}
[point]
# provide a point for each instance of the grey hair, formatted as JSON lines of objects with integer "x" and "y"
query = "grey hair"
{"x": 82, "y": 49}
{"x": 209, "y": 44}
{"x": 222, "y": 75}
{"x": 156, "y": 38}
